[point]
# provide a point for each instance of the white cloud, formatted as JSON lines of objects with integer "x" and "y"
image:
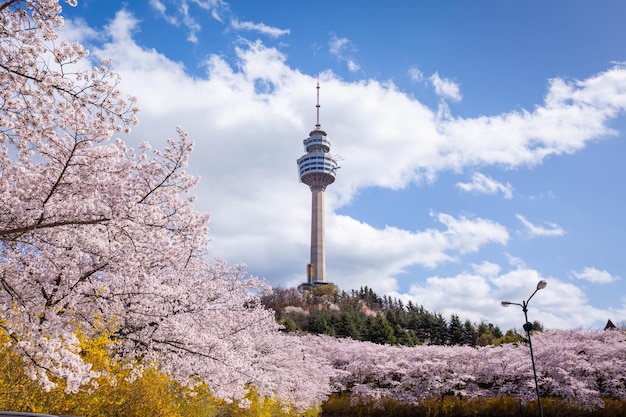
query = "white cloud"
{"x": 259, "y": 27}
{"x": 190, "y": 23}
{"x": 446, "y": 88}
{"x": 415, "y": 74}
{"x": 484, "y": 184}
{"x": 596, "y": 276}
{"x": 477, "y": 297}
{"x": 161, "y": 8}
{"x": 572, "y": 114}
{"x": 533, "y": 230}
{"x": 217, "y": 8}
{"x": 181, "y": 13}
{"x": 337, "y": 45}
{"x": 515, "y": 261}
{"x": 78, "y": 31}
{"x": 487, "y": 269}
{"x": 122, "y": 27}
{"x": 373, "y": 257}
{"x": 210, "y": 4}
{"x": 158, "y": 5}
{"x": 343, "y": 48}
{"x": 352, "y": 65}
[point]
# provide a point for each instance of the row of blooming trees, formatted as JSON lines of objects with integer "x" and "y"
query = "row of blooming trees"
{"x": 99, "y": 238}
{"x": 580, "y": 367}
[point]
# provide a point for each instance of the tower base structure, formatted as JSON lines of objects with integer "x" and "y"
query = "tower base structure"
{"x": 305, "y": 286}
{"x": 311, "y": 282}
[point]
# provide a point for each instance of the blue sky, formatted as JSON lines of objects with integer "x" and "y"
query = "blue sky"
{"x": 481, "y": 143}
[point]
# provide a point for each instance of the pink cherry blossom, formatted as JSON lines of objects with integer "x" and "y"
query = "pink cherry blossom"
{"x": 581, "y": 367}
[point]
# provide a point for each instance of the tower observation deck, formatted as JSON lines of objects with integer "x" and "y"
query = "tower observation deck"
{"x": 317, "y": 169}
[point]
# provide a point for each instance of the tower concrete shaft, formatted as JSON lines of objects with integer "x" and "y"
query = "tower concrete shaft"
{"x": 318, "y": 252}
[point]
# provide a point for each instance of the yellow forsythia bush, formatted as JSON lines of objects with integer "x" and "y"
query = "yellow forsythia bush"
{"x": 153, "y": 394}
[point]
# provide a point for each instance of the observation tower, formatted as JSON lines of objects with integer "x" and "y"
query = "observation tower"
{"x": 317, "y": 169}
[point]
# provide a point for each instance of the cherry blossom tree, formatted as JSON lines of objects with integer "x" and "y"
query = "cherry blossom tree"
{"x": 96, "y": 236}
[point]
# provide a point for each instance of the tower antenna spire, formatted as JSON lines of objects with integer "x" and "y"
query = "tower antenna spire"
{"x": 317, "y": 106}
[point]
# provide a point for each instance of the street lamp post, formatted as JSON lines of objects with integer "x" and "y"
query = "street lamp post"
{"x": 528, "y": 326}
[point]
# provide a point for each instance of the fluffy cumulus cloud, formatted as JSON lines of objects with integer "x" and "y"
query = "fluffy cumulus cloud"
{"x": 596, "y": 276}
{"x": 446, "y": 88}
{"x": 477, "y": 295}
{"x": 249, "y": 118}
{"x": 572, "y": 114}
{"x": 373, "y": 257}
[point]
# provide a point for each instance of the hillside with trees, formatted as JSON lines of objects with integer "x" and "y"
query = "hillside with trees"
{"x": 365, "y": 316}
